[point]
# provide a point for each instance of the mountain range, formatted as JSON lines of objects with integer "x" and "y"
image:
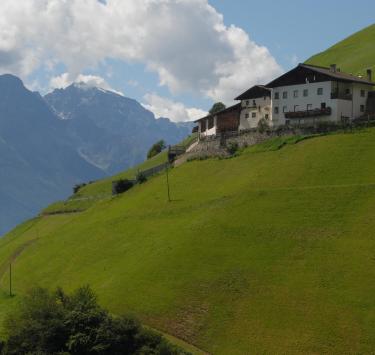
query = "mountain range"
{"x": 72, "y": 135}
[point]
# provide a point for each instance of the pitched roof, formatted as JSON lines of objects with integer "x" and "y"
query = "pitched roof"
{"x": 228, "y": 109}
{"x": 298, "y": 75}
{"x": 255, "y": 92}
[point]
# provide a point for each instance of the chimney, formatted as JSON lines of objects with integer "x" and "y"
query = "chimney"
{"x": 369, "y": 74}
{"x": 332, "y": 68}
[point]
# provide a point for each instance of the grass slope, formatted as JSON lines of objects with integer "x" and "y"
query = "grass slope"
{"x": 269, "y": 252}
{"x": 354, "y": 54}
{"x": 102, "y": 189}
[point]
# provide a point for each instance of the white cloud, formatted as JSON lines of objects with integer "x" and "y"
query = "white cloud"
{"x": 184, "y": 41}
{"x": 63, "y": 80}
{"x": 175, "y": 111}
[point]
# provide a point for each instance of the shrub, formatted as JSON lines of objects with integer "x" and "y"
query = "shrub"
{"x": 156, "y": 149}
{"x": 141, "y": 178}
{"x": 263, "y": 126}
{"x": 57, "y": 323}
{"x": 77, "y": 187}
{"x": 232, "y": 147}
{"x": 121, "y": 186}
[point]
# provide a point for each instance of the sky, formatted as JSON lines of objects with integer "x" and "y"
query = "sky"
{"x": 176, "y": 57}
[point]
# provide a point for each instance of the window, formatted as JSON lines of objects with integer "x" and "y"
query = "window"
{"x": 247, "y": 103}
{"x": 287, "y": 122}
{"x": 305, "y": 92}
{"x": 320, "y": 91}
{"x": 246, "y": 115}
{"x": 323, "y": 105}
{"x": 285, "y": 94}
{"x": 347, "y": 91}
{"x": 285, "y": 108}
{"x": 295, "y": 93}
{"x": 296, "y": 108}
{"x": 363, "y": 93}
{"x": 210, "y": 122}
{"x": 309, "y": 107}
{"x": 276, "y": 109}
{"x": 203, "y": 126}
{"x": 362, "y": 108}
{"x": 254, "y": 103}
{"x": 276, "y": 96}
{"x": 266, "y": 116}
{"x": 253, "y": 114}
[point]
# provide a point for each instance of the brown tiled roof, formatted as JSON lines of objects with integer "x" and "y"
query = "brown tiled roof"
{"x": 337, "y": 74}
{"x": 323, "y": 74}
{"x": 254, "y": 92}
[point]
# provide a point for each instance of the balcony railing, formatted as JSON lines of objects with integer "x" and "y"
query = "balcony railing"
{"x": 341, "y": 96}
{"x": 309, "y": 113}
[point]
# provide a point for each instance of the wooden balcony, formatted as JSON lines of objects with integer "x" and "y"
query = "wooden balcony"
{"x": 341, "y": 96}
{"x": 309, "y": 113}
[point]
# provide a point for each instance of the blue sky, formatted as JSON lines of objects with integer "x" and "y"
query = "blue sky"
{"x": 297, "y": 29}
{"x": 175, "y": 57}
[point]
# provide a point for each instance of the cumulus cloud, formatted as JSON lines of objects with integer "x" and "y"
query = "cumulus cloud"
{"x": 184, "y": 41}
{"x": 176, "y": 111}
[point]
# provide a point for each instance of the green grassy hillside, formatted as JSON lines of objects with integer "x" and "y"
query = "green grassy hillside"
{"x": 272, "y": 251}
{"x": 354, "y": 54}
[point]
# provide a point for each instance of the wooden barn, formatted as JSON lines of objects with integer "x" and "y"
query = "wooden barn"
{"x": 227, "y": 120}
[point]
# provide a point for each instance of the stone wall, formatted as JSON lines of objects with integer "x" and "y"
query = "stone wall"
{"x": 218, "y": 146}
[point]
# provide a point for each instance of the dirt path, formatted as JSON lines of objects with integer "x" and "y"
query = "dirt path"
{"x": 5, "y": 265}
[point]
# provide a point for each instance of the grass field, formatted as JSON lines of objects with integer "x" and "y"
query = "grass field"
{"x": 99, "y": 190}
{"x": 272, "y": 251}
{"x": 354, "y": 54}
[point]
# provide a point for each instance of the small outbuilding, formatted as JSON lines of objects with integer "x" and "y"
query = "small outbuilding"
{"x": 227, "y": 120}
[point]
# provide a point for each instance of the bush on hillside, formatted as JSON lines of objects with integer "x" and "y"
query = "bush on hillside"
{"x": 120, "y": 186}
{"x": 156, "y": 149}
{"x": 141, "y": 178}
{"x": 58, "y": 323}
{"x": 77, "y": 187}
{"x": 232, "y": 147}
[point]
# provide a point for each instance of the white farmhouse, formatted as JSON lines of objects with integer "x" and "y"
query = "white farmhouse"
{"x": 255, "y": 106}
{"x": 309, "y": 94}
{"x": 305, "y": 96}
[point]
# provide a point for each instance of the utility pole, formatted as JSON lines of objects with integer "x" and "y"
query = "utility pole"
{"x": 169, "y": 195}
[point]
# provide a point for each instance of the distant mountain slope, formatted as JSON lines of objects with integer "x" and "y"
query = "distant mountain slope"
{"x": 354, "y": 54}
{"x": 38, "y": 162}
{"x": 111, "y": 131}
{"x": 74, "y": 135}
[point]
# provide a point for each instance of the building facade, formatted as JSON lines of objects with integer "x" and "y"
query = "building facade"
{"x": 307, "y": 95}
{"x": 256, "y": 105}
{"x": 304, "y": 96}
